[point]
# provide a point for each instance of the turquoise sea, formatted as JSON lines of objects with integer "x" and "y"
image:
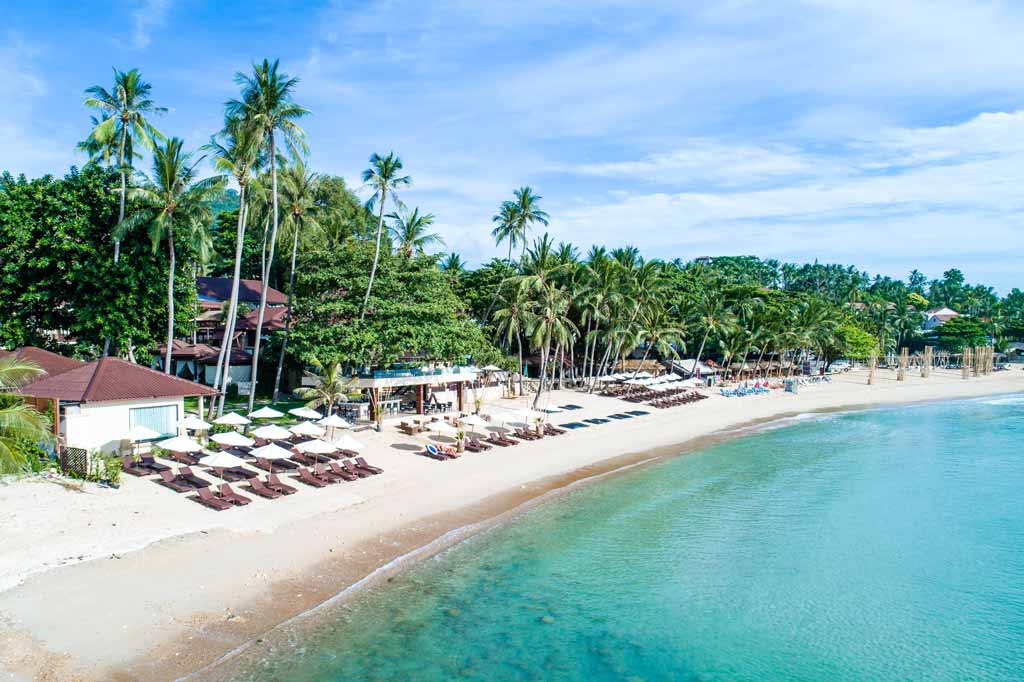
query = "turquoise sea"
{"x": 878, "y": 545}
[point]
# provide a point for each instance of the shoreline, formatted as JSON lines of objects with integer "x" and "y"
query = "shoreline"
{"x": 198, "y": 634}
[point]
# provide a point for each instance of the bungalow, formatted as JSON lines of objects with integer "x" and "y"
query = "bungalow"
{"x": 936, "y": 317}
{"x": 97, "y": 403}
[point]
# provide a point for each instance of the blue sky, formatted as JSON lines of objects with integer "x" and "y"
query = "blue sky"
{"x": 888, "y": 135}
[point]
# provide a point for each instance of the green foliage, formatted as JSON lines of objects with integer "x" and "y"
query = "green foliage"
{"x": 104, "y": 466}
{"x": 477, "y": 288}
{"x": 917, "y": 300}
{"x": 961, "y": 332}
{"x": 57, "y": 270}
{"x": 855, "y": 342}
{"x": 412, "y": 311}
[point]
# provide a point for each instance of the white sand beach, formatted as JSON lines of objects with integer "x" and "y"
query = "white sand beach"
{"x": 142, "y": 584}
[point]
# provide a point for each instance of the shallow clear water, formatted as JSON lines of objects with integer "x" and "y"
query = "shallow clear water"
{"x": 877, "y": 545}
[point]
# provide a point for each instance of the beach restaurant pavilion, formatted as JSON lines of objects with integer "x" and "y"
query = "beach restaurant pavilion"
{"x": 418, "y": 386}
{"x": 96, "y": 404}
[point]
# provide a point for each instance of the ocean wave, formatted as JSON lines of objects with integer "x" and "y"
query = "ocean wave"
{"x": 1008, "y": 400}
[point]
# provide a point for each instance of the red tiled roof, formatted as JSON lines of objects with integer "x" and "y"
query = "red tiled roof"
{"x": 51, "y": 363}
{"x": 273, "y": 319}
{"x": 113, "y": 379}
{"x": 219, "y": 288}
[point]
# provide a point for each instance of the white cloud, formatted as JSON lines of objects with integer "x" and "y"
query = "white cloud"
{"x": 148, "y": 16}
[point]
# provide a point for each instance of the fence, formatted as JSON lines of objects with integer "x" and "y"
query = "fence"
{"x": 74, "y": 461}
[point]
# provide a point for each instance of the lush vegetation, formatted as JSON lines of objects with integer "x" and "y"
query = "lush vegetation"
{"x": 22, "y": 428}
{"x": 104, "y": 261}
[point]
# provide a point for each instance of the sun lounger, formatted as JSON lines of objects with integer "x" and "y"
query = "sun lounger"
{"x": 352, "y": 469}
{"x": 276, "y": 465}
{"x": 225, "y": 492}
{"x": 193, "y": 480}
{"x": 307, "y": 477}
{"x": 495, "y": 439}
{"x": 362, "y": 463}
{"x": 527, "y": 435}
{"x": 433, "y": 453}
{"x": 153, "y": 465}
{"x": 337, "y": 470}
{"x": 169, "y": 480}
{"x": 552, "y": 431}
{"x": 278, "y": 486}
{"x": 325, "y": 474}
{"x": 183, "y": 458}
{"x": 478, "y": 444}
{"x": 472, "y": 447}
{"x": 129, "y": 466}
{"x": 260, "y": 488}
{"x": 207, "y": 499}
{"x": 234, "y": 474}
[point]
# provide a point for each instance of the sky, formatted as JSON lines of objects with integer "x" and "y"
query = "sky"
{"x": 889, "y": 135}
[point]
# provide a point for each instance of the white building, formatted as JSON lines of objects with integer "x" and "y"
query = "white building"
{"x": 936, "y": 317}
{"x": 96, "y": 404}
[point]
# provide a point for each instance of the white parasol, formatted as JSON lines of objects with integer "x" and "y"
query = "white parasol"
{"x": 265, "y": 413}
{"x": 305, "y": 413}
{"x": 272, "y": 432}
{"x": 232, "y": 438}
{"x": 231, "y": 419}
{"x": 180, "y": 444}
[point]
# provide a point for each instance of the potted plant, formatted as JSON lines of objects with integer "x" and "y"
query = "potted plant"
{"x": 461, "y": 438}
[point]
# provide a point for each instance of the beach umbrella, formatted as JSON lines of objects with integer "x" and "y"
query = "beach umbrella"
{"x": 347, "y": 442}
{"x": 193, "y": 423}
{"x": 473, "y": 421}
{"x": 222, "y": 460}
{"x": 491, "y": 368}
{"x": 305, "y": 413}
{"x": 140, "y": 432}
{"x": 265, "y": 413}
{"x": 335, "y": 421}
{"x": 231, "y": 419}
{"x": 231, "y": 439}
{"x": 271, "y": 452}
{"x": 180, "y": 444}
{"x": 272, "y": 432}
{"x": 443, "y": 427}
{"x": 306, "y": 429}
{"x": 316, "y": 447}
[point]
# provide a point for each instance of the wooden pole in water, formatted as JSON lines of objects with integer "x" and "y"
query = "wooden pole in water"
{"x": 926, "y": 362}
{"x": 965, "y": 363}
{"x": 872, "y": 367}
{"x": 901, "y": 372}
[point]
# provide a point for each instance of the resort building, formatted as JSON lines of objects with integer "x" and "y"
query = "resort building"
{"x": 51, "y": 363}
{"x": 95, "y": 404}
{"x": 936, "y": 317}
{"x": 415, "y": 390}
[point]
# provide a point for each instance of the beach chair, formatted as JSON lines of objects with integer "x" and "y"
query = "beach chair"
{"x": 325, "y": 474}
{"x": 183, "y": 458}
{"x": 433, "y": 453}
{"x": 479, "y": 444}
{"x": 186, "y": 474}
{"x": 259, "y": 488}
{"x": 352, "y": 469}
{"x": 278, "y": 486}
{"x": 306, "y": 476}
{"x": 552, "y": 431}
{"x": 343, "y": 473}
{"x": 362, "y": 463}
{"x": 169, "y": 480}
{"x": 153, "y": 465}
{"x": 228, "y": 495}
{"x": 207, "y": 499}
{"x": 129, "y": 466}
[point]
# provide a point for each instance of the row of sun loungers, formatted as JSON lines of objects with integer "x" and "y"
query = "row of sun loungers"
{"x": 443, "y": 453}
{"x": 683, "y": 399}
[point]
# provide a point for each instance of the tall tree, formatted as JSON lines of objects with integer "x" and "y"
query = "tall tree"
{"x": 267, "y": 104}
{"x": 123, "y": 111}
{"x": 236, "y": 152}
{"x": 300, "y": 217}
{"x": 167, "y": 199}
{"x": 383, "y": 177}
{"x": 528, "y": 212}
{"x": 409, "y": 232}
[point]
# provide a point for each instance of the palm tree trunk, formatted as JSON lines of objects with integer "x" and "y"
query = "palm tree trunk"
{"x": 288, "y": 317}
{"x": 265, "y": 283}
{"x": 494, "y": 298}
{"x": 120, "y": 217}
{"x": 170, "y": 298}
{"x": 224, "y": 357}
{"x": 376, "y": 251}
{"x": 543, "y": 374}
{"x": 519, "y": 344}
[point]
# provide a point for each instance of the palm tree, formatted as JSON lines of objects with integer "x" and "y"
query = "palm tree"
{"x": 267, "y": 105}
{"x": 19, "y": 423}
{"x": 383, "y": 177}
{"x": 528, "y": 212}
{"x": 507, "y": 227}
{"x": 98, "y": 151}
{"x": 169, "y": 198}
{"x": 549, "y": 327}
{"x": 301, "y": 213}
{"x": 123, "y": 113}
{"x": 510, "y": 322}
{"x": 236, "y": 152}
{"x": 330, "y": 386}
{"x": 659, "y": 332}
{"x": 711, "y": 314}
{"x": 453, "y": 265}
{"x": 409, "y": 231}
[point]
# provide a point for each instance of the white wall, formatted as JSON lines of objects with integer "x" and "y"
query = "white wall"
{"x": 101, "y": 426}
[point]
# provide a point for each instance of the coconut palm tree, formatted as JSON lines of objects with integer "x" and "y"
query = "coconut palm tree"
{"x": 19, "y": 423}
{"x": 659, "y": 332}
{"x": 409, "y": 231}
{"x": 710, "y": 313}
{"x": 507, "y": 227}
{"x": 236, "y": 152}
{"x": 528, "y": 212}
{"x": 550, "y": 327}
{"x": 169, "y": 199}
{"x": 298, "y": 195}
{"x": 330, "y": 386}
{"x": 510, "y": 321}
{"x": 383, "y": 178}
{"x": 267, "y": 104}
{"x": 453, "y": 265}
{"x": 123, "y": 122}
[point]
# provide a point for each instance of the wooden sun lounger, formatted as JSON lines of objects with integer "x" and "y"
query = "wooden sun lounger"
{"x": 234, "y": 474}
{"x": 352, "y": 469}
{"x": 307, "y": 477}
{"x": 169, "y": 480}
{"x": 369, "y": 467}
{"x": 275, "y": 484}
{"x": 343, "y": 473}
{"x": 526, "y": 435}
{"x": 183, "y": 458}
{"x": 226, "y": 493}
{"x": 153, "y": 465}
{"x": 259, "y": 487}
{"x": 196, "y": 482}
{"x": 479, "y": 444}
{"x": 276, "y": 465}
{"x": 325, "y": 474}
{"x": 552, "y": 431}
{"x": 499, "y": 441}
{"x": 128, "y": 465}
{"x": 438, "y": 456}
{"x": 208, "y": 499}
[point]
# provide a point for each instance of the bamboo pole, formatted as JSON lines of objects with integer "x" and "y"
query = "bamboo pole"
{"x": 872, "y": 367}
{"x": 926, "y": 363}
{"x": 965, "y": 363}
{"x": 901, "y": 372}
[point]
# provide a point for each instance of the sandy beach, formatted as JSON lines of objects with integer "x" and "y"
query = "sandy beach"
{"x": 141, "y": 584}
